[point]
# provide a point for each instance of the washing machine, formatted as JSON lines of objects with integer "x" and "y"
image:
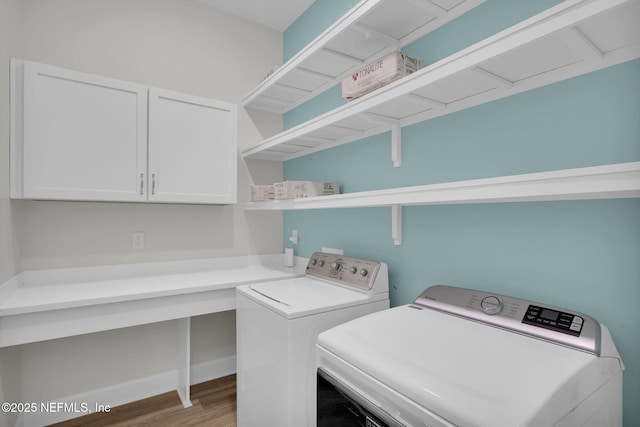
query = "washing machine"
{"x": 467, "y": 358}
{"x": 277, "y": 324}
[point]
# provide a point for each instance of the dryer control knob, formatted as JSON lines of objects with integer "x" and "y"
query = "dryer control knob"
{"x": 364, "y": 272}
{"x": 353, "y": 270}
{"x": 491, "y": 305}
{"x": 336, "y": 265}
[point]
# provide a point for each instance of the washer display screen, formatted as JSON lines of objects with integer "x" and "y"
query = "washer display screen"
{"x": 549, "y": 314}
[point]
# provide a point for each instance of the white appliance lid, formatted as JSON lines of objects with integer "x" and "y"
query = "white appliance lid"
{"x": 305, "y": 296}
{"x": 466, "y": 372}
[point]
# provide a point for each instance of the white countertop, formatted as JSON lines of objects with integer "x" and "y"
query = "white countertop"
{"x": 45, "y": 304}
{"x": 66, "y": 288}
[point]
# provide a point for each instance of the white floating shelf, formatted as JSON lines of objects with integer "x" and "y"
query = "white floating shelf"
{"x": 597, "y": 182}
{"x": 620, "y": 180}
{"x": 573, "y": 38}
{"x": 368, "y": 31}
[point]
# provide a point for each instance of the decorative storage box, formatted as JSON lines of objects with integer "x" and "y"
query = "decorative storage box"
{"x": 298, "y": 189}
{"x": 262, "y": 192}
{"x": 379, "y": 73}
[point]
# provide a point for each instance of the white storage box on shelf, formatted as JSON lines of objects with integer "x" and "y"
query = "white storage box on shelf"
{"x": 261, "y": 193}
{"x": 379, "y": 73}
{"x": 301, "y": 189}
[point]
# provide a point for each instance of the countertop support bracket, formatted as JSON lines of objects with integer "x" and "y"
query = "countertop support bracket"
{"x": 184, "y": 361}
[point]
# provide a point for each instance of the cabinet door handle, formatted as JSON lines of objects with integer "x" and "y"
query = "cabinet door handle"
{"x": 141, "y": 184}
{"x": 153, "y": 183}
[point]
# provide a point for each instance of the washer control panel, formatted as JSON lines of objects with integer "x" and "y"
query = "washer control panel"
{"x": 554, "y": 324}
{"x": 566, "y": 323}
{"x": 353, "y": 272}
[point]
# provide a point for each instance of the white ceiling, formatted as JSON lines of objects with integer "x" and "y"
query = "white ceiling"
{"x": 276, "y": 14}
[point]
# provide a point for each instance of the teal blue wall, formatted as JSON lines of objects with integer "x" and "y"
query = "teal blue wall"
{"x": 320, "y": 15}
{"x": 583, "y": 255}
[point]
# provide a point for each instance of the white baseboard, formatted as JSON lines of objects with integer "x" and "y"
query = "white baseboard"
{"x": 68, "y": 407}
{"x": 214, "y": 369}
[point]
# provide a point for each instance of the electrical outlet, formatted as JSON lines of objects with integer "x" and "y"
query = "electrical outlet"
{"x": 138, "y": 240}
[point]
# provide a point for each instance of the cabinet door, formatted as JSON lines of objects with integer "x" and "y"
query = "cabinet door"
{"x": 192, "y": 149}
{"x": 84, "y": 136}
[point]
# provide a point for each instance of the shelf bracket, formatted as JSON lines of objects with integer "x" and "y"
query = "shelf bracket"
{"x": 396, "y": 224}
{"x": 396, "y": 135}
{"x": 504, "y": 83}
{"x": 337, "y": 54}
{"x": 429, "y": 6}
{"x": 315, "y": 140}
{"x": 426, "y": 101}
{"x": 369, "y": 32}
{"x": 396, "y": 146}
{"x": 577, "y": 41}
{"x": 293, "y": 89}
{"x": 316, "y": 74}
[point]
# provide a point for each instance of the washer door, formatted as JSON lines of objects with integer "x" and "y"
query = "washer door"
{"x": 339, "y": 406}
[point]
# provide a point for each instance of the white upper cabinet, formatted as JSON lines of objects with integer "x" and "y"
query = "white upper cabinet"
{"x": 192, "y": 149}
{"x": 77, "y": 136}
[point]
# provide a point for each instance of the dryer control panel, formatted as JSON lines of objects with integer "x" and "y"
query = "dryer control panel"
{"x": 353, "y": 272}
{"x": 541, "y": 321}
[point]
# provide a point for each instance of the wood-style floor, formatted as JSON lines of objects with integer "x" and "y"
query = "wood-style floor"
{"x": 214, "y": 405}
